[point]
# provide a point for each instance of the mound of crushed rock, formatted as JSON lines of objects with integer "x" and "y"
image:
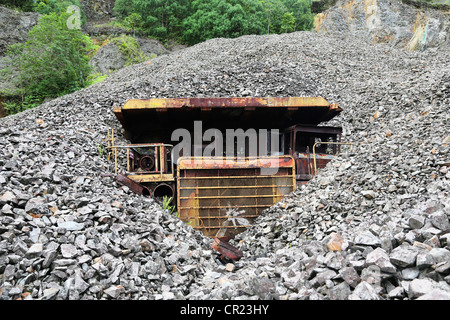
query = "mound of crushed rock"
{"x": 373, "y": 225}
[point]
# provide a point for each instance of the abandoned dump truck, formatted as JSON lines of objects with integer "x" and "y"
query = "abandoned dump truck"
{"x": 224, "y": 160}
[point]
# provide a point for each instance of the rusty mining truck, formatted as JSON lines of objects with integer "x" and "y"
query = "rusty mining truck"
{"x": 218, "y": 193}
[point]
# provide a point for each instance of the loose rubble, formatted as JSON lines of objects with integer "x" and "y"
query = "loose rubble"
{"x": 374, "y": 224}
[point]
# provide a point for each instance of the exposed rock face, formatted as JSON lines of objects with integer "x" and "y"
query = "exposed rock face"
{"x": 386, "y": 21}
{"x": 109, "y": 58}
{"x": 14, "y": 26}
{"x": 98, "y": 9}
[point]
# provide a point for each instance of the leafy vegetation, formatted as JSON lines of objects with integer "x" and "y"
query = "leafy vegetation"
{"x": 166, "y": 204}
{"x": 24, "y": 5}
{"x": 44, "y": 6}
{"x": 198, "y": 20}
{"x": 53, "y": 61}
{"x": 130, "y": 49}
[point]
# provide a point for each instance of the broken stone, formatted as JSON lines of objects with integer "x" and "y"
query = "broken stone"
{"x": 367, "y": 238}
{"x": 420, "y": 287}
{"x": 416, "y": 221}
{"x": 380, "y": 258}
{"x": 404, "y": 256}
{"x": 440, "y": 220}
{"x": 37, "y": 206}
{"x": 35, "y": 250}
{"x": 68, "y": 250}
{"x": 364, "y": 291}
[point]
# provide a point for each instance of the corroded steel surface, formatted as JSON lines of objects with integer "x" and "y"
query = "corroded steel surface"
{"x": 133, "y": 185}
{"x": 222, "y": 199}
{"x": 166, "y": 103}
{"x": 154, "y": 120}
{"x": 226, "y": 249}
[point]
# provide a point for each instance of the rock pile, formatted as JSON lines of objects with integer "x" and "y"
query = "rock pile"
{"x": 372, "y": 225}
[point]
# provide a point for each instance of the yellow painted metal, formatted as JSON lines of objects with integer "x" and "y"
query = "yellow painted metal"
{"x": 112, "y": 148}
{"x": 156, "y": 177}
{"x": 167, "y": 103}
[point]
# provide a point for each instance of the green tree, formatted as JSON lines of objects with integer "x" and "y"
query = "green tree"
{"x": 288, "y": 22}
{"x": 161, "y": 19}
{"x": 25, "y": 5}
{"x": 274, "y": 11}
{"x": 301, "y": 10}
{"x": 193, "y": 21}
{"x": 133, "y": 21}
{"x": 221, "y": 18}
{"x": 54, "y": 60}
{"x": 58, "y": 6}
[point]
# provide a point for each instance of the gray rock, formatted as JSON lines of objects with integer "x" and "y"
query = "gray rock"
{"x": 339, "y": 292}
{"x": 49, "y": 256}
{"x": 416, "y": 221}
{"x": 35, "y": 250}
{"x": 364, "y": 291}
{"x": 15, "y": 26}
{"x": 440, "y": 255}
{"x": 71, "y": 225}
{"x": 424, "y": 260}
{"x": 369, "y": 194}
{"x": 68, "y": 250}
{"x": 396, "y": 293}
{"x": 318, "y": 243}
{"x": 410, "y": 273}
{"x": 389, "y": 22}
{"x": 404, "y": 256}
{"x": 367, "y": 238}
{"x": 440, "y": 220}
{"x": 114, "y": 291}
{"x": 420, "y": 287}
{"x": 49, "y": 293}
{"x": 380, "y": 258}
{"x": 435, "y": 294}
{"x": 8, "y": 197}
{"x": 350, "y": 276}
{"x": 37, "y": 206}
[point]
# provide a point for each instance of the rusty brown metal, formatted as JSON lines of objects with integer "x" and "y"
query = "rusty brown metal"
{"x": 226, "y": 249}
{"x": 162, "y": 190}
{"x": 222, "y": 197}
{"x": 134, "y": 186}
{"x": 143, "y": 119}
{"x": 167, "y": 103}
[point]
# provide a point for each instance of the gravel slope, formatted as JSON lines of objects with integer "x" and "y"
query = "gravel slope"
{"x": 68, "y": 231}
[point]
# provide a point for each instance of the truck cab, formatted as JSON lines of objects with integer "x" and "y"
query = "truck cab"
{"x": 312, "y": 147}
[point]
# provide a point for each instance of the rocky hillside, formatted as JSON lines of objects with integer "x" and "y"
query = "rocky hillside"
{"x": 14, "y": 27}
{"x": 388, "y": 21}
{"x": 372, "y": 225}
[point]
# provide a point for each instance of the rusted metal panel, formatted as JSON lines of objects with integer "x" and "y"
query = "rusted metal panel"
{"x": 305, "y": 164}
{"x": 142, "y": 120}
{"x": 144, "y": 178}
{"x": 227, "y": 102}
{"x": 133, "y": 185}
{"x": 223, "y": 199}
{"x": 226, "y": 249}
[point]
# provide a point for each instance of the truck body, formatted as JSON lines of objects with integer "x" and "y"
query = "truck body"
{"x": 219, "y": 185}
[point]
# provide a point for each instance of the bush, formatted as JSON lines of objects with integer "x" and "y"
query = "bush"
{"x": 130, "y": 49}
{"x": 53, "y": 61}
